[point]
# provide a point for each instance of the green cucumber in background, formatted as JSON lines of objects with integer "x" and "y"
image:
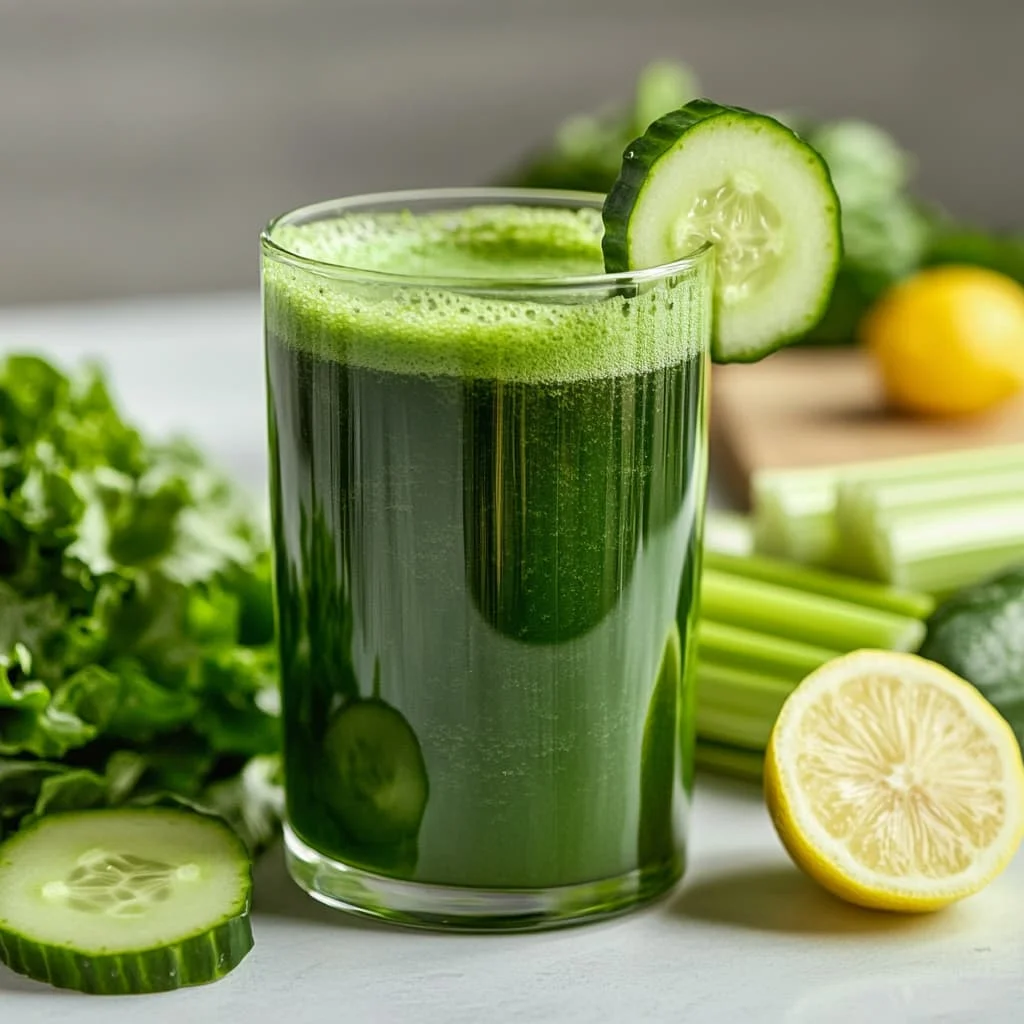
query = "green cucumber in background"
{"x": 979, "y": 634}
{"x": 888, "y": 232}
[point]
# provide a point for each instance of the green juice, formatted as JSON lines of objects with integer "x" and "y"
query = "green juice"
{"x": 486, "y": 513}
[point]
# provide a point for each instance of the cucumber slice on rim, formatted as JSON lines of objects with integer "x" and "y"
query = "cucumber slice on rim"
{"x": 754, "y": 188}
{"x": 124, "y": 901}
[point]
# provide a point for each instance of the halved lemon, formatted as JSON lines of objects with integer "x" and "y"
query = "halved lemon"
{"x": 894, "y": 783}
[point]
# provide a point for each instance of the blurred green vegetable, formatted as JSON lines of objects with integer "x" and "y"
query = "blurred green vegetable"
{"x": 979, "y": 634}
{"x": 888, "y": 233}
{"x": 586, "y": 153}
{"x": 958, "y": 243}
{"x": 885, "y": 233}
{"x": 136, "y": 654}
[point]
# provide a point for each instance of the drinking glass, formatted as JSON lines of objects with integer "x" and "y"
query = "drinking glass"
{"x": 487, "y": 497}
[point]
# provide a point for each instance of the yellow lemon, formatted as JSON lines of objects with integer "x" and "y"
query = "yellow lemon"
{"x": 949, "y": 340}
{"x": 894, "y": 783}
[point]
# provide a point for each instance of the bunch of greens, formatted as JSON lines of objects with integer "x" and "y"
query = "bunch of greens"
{"x": 888, "y": 232}
{"x": 586, "y": 152}
{"x": 136, "y": 628}
{"x": 885, "y": 231}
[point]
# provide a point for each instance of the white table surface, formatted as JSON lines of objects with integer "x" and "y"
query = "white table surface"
{"x": 745, "y": 939}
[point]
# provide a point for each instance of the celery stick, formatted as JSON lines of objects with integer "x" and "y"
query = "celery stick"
{"x": 817, "y": 581}
{"x": 726, "y": 688}
{"x": 728, "y": 532}
{"x": 738, "y": 707}
{"x": 795, "y": 510}
{"x": 741, "y": 730}
{"x": 859, "y": 498}
{"x": 722, "y": 759}
{"x": 794, "y": 516}
{"x": 808, "y": 618}
{"x": 941, "y": 549}
{"x": 741, "y": 648}
{"x": 866, "y": 507}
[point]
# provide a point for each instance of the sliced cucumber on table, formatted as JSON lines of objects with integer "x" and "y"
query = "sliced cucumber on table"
{"x": 754, "y": 189}
{"x": 124, "y": 901}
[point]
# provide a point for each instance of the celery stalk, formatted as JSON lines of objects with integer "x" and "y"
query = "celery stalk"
{"x": 722, "y": 759}
{"x": 794, "y": 515}
{"x": 764, "y": 626}
{"x": 817, "y": 581}
{"x": 860, "y": 499}
{"x": 742, "y": 730}
{"x": 795, "y": 510}
{"x": 738, "y": 707}
{"x": 890, "y": 527}
{"x": 808, "y": 618}
{"x": 727, "y": 688}
{"x": 941, "y": 549}
{"x": 736, "y": 647}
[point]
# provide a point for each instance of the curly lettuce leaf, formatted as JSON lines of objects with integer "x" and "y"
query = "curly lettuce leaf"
{"x": 31, "y": 622}
{"x": 252, "y": 802}
{"x": 20, "y": 783}
{"x": 235, "y": 717}
{"x": 136, "y": 622}
{"x": 146, "y": 709}
{"x": 77, "y": 789}
{"x": 32, "y": 720}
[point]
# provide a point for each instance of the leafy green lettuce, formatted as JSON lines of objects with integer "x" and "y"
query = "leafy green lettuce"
{"x": 136, "y": 628}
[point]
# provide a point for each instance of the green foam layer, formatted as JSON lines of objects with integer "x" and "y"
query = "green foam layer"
{"x": 444, "y": 332}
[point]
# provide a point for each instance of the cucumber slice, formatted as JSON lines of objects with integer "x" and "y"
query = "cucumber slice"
{"x": 750, "y": 185}
{"x": 379, "y": 776}
{"x": 124, "y": 901}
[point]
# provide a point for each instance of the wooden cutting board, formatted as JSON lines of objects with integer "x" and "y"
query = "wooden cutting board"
{"x": 807, "y": 407}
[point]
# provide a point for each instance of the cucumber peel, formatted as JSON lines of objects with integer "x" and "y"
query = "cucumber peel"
{"x": 124, "y": 901}
{"x": 758, "y": 193}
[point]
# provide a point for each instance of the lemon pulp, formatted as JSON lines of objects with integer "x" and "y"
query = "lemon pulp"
{"x": 893, "y": 783}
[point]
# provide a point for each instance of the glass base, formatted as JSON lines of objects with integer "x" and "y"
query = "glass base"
{"x": 460, "y": 908}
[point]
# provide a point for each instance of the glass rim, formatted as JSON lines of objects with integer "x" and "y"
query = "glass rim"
{"x": 472, "y": 195}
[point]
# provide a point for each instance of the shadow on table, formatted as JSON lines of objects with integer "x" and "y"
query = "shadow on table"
{"x": 774, "y": 898}
{"x": 19, "y": 985}
{"x": 276, "y": 895}
{"x": 740, "y": 790}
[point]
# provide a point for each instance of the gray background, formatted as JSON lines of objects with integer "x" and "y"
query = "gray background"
{"x": 144, "y": 142}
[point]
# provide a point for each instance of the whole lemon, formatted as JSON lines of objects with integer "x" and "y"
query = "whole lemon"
{"x": 949, "y": 340}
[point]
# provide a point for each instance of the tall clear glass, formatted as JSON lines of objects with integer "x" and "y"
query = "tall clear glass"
{"x": 487, "y": 500}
